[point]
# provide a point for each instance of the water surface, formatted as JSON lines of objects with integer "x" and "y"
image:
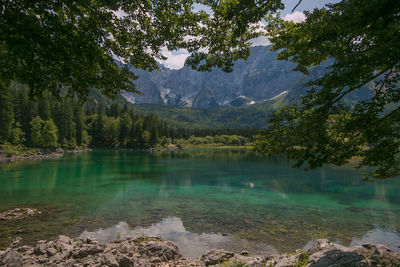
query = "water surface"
{"x": 200, "y": 199}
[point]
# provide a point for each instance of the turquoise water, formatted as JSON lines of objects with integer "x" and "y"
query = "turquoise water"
{"x": 200, "y": 199}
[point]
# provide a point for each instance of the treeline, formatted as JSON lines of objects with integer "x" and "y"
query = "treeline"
{"x": 229, "y": 140}
{"x": 49, "y": 122}
{"x": 184, "y": 133}
{"x": 244, "y": 132}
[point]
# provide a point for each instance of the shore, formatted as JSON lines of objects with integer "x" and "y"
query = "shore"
{"x": 152, "y": 251}
{"x": 36, "y": 154}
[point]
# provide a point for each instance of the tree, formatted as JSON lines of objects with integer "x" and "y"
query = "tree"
{"x": 85, "y": 139}
{"x": 71, "y": 46}
{"x": 360, "y": 40}
{"x": 6, "y": 113}
{"x": 16, "y": 134}
{"x": 125, "y": 128}
{"x": 36, "y": 131}
{"x": 111, "y": 132}
{"x": 80, "y": 126}
{"x": 49, "y": 134}
{"x": 44, "y": 108}
{"x": 98, "y": 130}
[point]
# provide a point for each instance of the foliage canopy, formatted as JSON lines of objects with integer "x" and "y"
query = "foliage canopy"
{"x": 72, "y": 45}
{"x": 361, "y": 39}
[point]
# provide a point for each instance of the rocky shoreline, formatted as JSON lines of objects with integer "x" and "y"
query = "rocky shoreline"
{"x": 41, "y": 155}
{"x": 170, "y": 147}
{"x": 152, "y": 251}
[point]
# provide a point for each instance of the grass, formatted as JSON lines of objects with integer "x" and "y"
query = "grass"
{"x": 232, "y": 263}
{"x": 303, "y": 260}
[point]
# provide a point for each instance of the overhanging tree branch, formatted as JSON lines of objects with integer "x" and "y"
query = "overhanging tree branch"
{"x": 297, "y": 5}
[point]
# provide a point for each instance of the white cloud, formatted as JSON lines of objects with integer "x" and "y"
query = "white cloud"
{"x": 175, "y": 59}
{"x": 260, "y": 41}
{"x": 296, "y": 17}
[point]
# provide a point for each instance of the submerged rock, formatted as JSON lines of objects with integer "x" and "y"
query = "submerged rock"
{"x": 18, "y": 214}
{"x": 65, "y": 251}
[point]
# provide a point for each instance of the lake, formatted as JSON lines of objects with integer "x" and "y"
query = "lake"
{"x": 200, "y": 199}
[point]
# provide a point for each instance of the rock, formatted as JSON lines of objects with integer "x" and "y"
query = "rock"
{"x": 63, "y": 244}
{"x": 12, "y": 258}
{"x": 384, "y": 255}
{"x": 155, "y": 260}
{"x": 16, "y": 242}
{"x": 126, "y": 262}
{"x": 18, "y": 214}
{"x": 247, "y": 261}
{"x": 165, "y": 250}
{"x": 110, "y": 260}
{"x": 367, "y": 246}
{"x": 65, "y": 239}
{"x": 216, "y": 256}
{"x": 51, "y": 251}
{"x": 244, "y": 253}
{"x": 40, "y": 248}
{"x": 156, "y": 252}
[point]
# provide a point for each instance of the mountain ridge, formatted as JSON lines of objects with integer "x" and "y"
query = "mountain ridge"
{"x": 246, "y": 97}
{"x": 257, "y": 79}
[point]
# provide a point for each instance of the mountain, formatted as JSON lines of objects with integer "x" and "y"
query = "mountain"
{"x": 246, "y": 97}
{"x": 255, "y": 80}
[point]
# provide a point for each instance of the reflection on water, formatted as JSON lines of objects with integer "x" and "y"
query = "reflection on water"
{"x": 194, "y": 245}
{"x": 171, "y": 228}
{"x": 390, "y": 238}
{"x": 241, "y": 195}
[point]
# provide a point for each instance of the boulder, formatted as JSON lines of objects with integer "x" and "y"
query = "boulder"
{"x": 156, "y": 252}
{"x": 216, "y": 256}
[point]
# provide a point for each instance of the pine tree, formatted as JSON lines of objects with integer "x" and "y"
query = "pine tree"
{"x": 6, "y": 113}
{"x": 79, "y": 125}
{"x": 44, "y": 108}
{"x": 125, "y": 127}
{"x": 17, "y": 136}
{"x": 98, "y": 130}
{"x": 49, "y": 136}
{"x": 36, "y": 132}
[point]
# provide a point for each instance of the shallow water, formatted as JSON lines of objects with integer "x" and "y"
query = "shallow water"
{"x": 200, "y": 199}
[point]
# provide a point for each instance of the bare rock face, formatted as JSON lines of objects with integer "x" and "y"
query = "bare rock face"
{"x": 18, "y": 214}
{"x": 65, "y": 251}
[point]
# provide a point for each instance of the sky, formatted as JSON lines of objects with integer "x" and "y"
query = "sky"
{"x": 176, "y": 59}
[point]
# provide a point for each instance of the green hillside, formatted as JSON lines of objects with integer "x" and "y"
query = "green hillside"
{"x": 251, "y": 116}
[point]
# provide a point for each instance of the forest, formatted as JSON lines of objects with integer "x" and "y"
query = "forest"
{"x": 48, "y": 122}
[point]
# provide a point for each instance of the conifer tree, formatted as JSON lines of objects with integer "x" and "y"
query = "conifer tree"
{"x": 44, "y": 108}
{"x": 6, "y": 113}
{"x": 49, "y": 135}
{"x": 36, "y": 132}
